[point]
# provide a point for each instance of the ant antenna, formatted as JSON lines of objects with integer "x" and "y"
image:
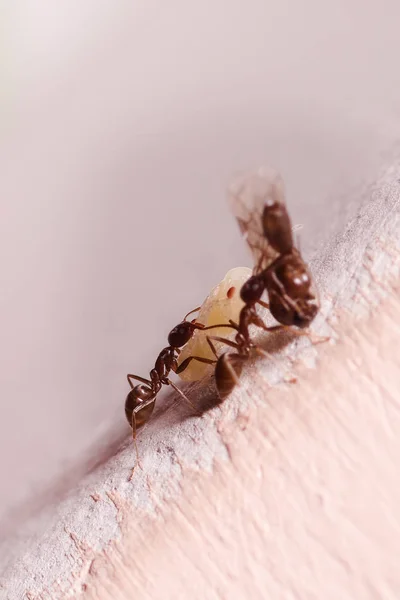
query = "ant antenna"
{"x": 182, "y": 395}
{"x": 191, "y": 312}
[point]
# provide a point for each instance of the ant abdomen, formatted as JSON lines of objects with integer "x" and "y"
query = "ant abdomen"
{"x": 227, "y": 372}
{"x": 293, "y": 274}
{"x": 293, "y": 312}
{"x": 277, "y": 227}
{"x": 281, "y": 311}
{"x": 139, "y": 395}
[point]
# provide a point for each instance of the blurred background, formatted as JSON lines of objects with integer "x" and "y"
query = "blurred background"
{"x": 121, "y": 125}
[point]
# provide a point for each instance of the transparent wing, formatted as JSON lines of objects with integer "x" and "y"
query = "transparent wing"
{"x": 247, "y": 196}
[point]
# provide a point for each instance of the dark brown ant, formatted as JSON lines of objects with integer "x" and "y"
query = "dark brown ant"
{"x": 279, "y": 270}
{"x": 288, "y": 280}
{"x": 259, "y": 206}
{"x": 139, "y": 403}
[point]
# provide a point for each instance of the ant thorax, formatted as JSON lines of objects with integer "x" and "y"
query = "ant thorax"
{"x": 221, "y": 305}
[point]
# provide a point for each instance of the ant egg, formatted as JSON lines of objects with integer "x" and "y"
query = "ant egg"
{"x": 222, "y": 304}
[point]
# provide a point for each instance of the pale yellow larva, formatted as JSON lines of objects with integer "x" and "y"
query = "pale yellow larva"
{"x": 222, "y": 304}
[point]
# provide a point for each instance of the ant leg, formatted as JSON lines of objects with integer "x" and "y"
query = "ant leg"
{"x": 262, "y": 303}
{"x": 192, "y": 406}
{"x": 185, "y": 363}
{"x": 257, "y": 349}
{"x": 319, "y": 339}
{"x": 278, "y": 283}
{"x": 224, "y": 341}
{"x": 213, "y": 350}
{"x": 133, "y": 425}
{"x": 141, "y": 379}
{"x": 233, "y": 373}
{"x": 235, "y": 345}
{"x": 273, "y": 328}
{"x": 273, "y": 359}
{"x": 230, "y": 325}
{"x": 298, "y": 332}
{"x": 209, "y": 361}
{"x": 258, "y": 322}
{"x": 314, "y": 339}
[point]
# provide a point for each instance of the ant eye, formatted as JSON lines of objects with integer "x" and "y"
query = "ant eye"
{"x": 231, "y": 292}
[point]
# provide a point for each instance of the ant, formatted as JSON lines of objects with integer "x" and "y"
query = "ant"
{"x": 258, "y": 202}
{"x": 259, "y": 207}
{"x": 140, "y": 401}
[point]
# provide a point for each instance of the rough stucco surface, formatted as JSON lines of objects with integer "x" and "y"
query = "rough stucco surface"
{"x": 286, "y": 491}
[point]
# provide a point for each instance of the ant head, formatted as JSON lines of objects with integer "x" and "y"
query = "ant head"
{"x": 140, "y": 395}
{"x": 181, "y": 334}
{"x": 252, "y": 289}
